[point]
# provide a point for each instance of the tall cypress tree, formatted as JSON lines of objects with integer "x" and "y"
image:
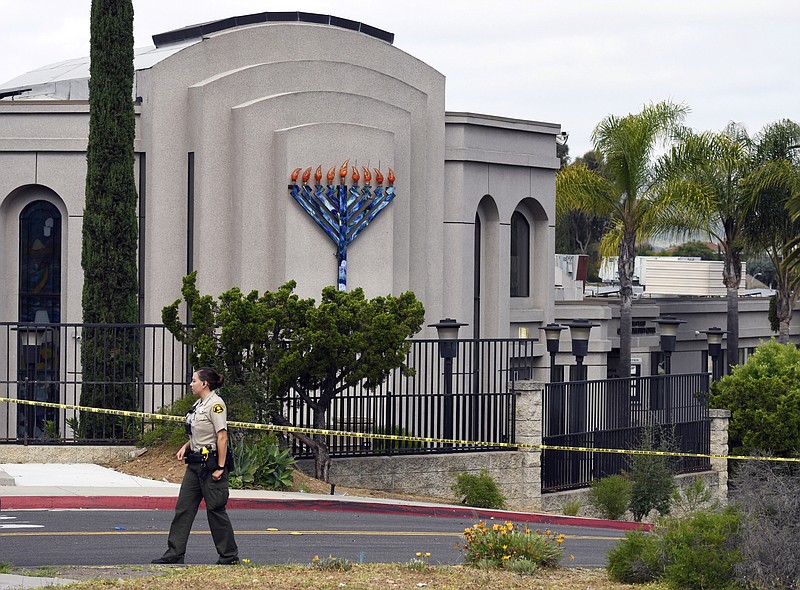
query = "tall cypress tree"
{"x": 108, "y": 258}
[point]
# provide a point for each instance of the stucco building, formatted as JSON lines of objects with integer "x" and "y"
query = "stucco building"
{"x": 225, "y": 111}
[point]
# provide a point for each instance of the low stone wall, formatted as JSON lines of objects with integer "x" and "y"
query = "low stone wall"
{"x": 430, "y": 475}
{"x": 66, "y": 453}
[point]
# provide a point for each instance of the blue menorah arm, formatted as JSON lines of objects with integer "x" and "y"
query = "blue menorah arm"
{"x": 357, "y": 229}
{"x": 295, "y": 192}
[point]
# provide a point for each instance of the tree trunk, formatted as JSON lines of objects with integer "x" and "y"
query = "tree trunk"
{"x": 732, "y": 295}
{"x": 732, "y": 277}
{"x": 627, "y": 257}
{"x": 322, "y": 457}
{"x": 783, "y": 309}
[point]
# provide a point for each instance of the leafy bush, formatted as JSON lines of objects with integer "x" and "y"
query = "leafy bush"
{"x": 331, "y": 563}
{"x": 763, "y": 396}
{"x": 261, "y": 462}
{"x": 768, "y": 496}
{"x": 636, "y": 559}
{"x": 697, "y": 553}
{"x": 479, "y": 491}
{"x": 700, "y": 551}
{"x": 610, "y": 496}
{"x": 694, "y": 497}
{"x": 245, "y": 465}
{"x": 653, "y": 476}
{"x": 168, "y": 431}
{"x": 571, "y": 507}
{"x": 502, "y": 544}
{"x": 275, "y": 470}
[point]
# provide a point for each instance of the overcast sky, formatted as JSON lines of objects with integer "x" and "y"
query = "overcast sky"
{"x": 570, "y": 62}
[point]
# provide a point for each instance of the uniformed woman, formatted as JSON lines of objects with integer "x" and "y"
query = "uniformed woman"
{"x": 206, "y": 475}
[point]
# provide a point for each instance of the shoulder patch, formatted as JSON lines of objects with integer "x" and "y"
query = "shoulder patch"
{"x": 218, "y": 408}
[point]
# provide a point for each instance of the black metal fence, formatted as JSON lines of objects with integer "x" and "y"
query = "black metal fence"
{"x": 616, "y": 414}
{"x": 468, "y": 397}
{"x": 477, "y": 405}
{"x": 45, "y": 363}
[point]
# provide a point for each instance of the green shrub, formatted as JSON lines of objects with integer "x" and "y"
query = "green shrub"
{"x": 763, "y": 396}
{"x": 331, "y": 563}
{"x": 694, "y": 497}
{"x": 275, "y": 466}
{"x": 636, "y": 559}
{"x": 259, "y": 461}
{"x": 503, "y": 544}
{"x": 479, "y": 491}
{"x": 168, "y": 431}
{"x": 571, "y": 507}
{"x": 245, "y": 465}
{"x": 700, "y": 551}
{"x": 653, "y": 476}
{"x": 610, "y": 496}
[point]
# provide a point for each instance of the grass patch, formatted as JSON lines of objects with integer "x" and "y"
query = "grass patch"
{"x": 360, "y": 577}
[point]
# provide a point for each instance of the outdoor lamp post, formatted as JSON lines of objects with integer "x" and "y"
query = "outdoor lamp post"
{"x": 714, "y": 336}
{"x": 668, "y": 329}
{"x": 552, "y": 335}
{"x": 579, "y": 333}
{"x": 576, "y": 404}
{"x": 554, "y": 398}
{"x": 447, "y": 330}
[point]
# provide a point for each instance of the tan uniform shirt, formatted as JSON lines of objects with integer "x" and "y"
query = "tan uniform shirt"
{"x": 207, "y": 418}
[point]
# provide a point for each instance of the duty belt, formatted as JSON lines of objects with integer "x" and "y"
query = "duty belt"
{"x": 200, "y": 456}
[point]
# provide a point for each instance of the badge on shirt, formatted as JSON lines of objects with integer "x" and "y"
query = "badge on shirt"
{"x": 218, "y": 408}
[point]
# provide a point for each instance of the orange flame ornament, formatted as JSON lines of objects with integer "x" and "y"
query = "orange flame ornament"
{"x": 391, "y": 176}
{"x": 378, "y": 176}
{"x": 306, "y": 175}
{"x": 331, "y": 174}
{"x": 295, "y": 174}
{"x": 356, "y": 176}
{"x": 318, "y": 174}
{"x": 367, "y": 174}
{"x": 343, "y": 169}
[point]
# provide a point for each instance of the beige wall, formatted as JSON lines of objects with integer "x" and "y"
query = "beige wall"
{"x": 252, "y": 104}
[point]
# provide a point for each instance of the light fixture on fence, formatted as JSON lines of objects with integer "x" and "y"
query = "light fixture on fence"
{"x": 552, "y": 335}
{"x": 714, "y": 336}
{"x": 447, "y": 330}
{"x": 668, "y": 329}
{"x": 579, "y": 331}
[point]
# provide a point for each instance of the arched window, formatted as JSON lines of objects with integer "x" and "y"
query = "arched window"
{"x": 39, "y": 304}
{"x": 520, "y": 255}
{"x": 40, "y": 263}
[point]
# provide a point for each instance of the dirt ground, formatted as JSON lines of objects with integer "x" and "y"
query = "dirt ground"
{"x": 159, "y": 463}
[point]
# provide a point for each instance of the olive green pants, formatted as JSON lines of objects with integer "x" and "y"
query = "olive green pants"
{"x": 199, "y": 485}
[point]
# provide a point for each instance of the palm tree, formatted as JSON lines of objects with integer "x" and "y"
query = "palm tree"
{"x": 706, "y": 172}
{"x": 629, "y": 193}
{"x": 772, "y": 185}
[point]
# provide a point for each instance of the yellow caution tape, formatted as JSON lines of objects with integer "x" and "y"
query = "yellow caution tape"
{"x": 416, "y": 439}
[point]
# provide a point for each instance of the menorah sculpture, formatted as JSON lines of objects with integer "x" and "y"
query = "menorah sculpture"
{"x": 342, "y": 211}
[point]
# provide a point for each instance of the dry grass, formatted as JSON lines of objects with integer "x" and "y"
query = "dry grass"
{"x": 360, "y": 577}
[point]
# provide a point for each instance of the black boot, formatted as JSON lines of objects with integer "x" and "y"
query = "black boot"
{"x": 164, "y": 560}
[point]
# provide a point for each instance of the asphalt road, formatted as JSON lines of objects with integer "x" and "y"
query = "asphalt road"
{"x": 33, "y": 538}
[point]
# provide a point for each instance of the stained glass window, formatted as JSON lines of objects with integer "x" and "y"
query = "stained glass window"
{"x": 40, "y": 263}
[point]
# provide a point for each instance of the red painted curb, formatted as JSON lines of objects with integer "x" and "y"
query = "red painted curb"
{"x": 168, "y": 503}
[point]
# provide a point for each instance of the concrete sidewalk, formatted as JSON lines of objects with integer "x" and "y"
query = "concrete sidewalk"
{"x": 86, "y": 486}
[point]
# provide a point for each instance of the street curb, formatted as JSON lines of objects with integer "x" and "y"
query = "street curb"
{"x": 168, "y": 503}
